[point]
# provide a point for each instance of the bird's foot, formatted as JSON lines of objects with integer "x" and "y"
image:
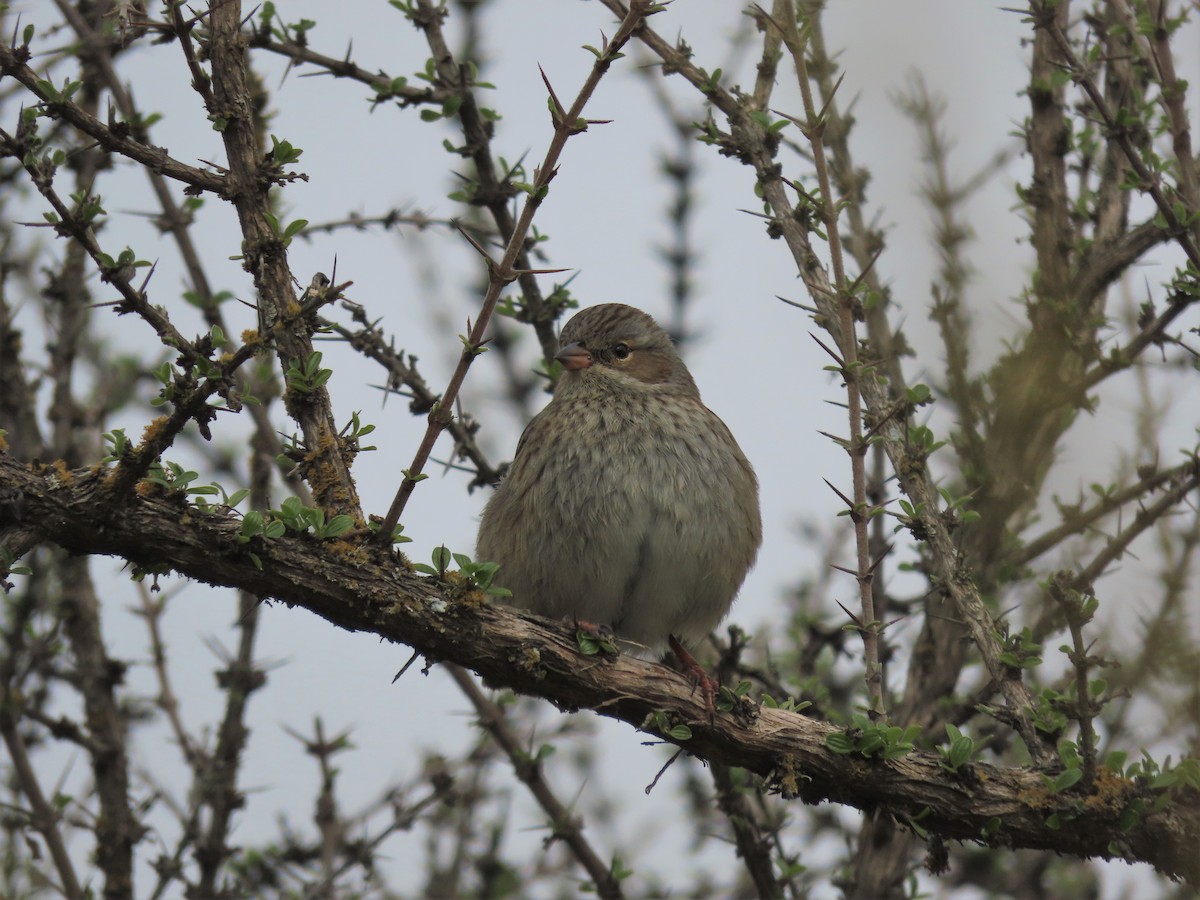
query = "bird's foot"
{"x": 700, "y": 679}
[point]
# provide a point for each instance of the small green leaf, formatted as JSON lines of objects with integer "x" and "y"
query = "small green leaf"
{"x": 839, "y": 742}
{"x": 338, "y": 525}
{"x": 1065, "y": 779}
{"x": 680, "y": 733}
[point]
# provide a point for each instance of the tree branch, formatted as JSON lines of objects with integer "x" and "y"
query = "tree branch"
{"x": 358, "y": 589}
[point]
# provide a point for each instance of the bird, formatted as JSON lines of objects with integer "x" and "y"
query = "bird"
{"x": 628, "y": 504}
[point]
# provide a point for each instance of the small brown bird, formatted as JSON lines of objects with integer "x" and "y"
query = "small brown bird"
{"x": 628, "y": 504}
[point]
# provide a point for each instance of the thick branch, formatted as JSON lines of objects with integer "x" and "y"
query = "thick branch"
{"x": 265, "y": 258}
{"x": 358, "y": 589}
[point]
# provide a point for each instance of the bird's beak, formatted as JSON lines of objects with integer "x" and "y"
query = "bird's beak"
{"x": 574, "y": 356}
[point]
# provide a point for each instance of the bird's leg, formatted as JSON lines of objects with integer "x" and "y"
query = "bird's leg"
{"x": 693, "y": 670}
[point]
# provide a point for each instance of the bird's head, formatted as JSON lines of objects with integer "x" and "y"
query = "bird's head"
{"x": 616, "y": 343}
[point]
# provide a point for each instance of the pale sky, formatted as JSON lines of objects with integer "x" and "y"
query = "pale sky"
{"x": 754, "y": 360}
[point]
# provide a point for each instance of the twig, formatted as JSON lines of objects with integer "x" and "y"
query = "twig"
{"x": 151, "y": 612}
{"x": 753, "y": 845}
{"x": 527, "y": 769}
{"x": 151, "y": 157}
{"x": 265, "y": 257}
{"x": 783, "y": 19}
{"x": 402, "y": 372}
{"x": 749, "y": 142}
{"x": 1081, "y": 519}
{"x": 43, "y": 817}
{"x": 567, "y": 122}
{"x": 216, "y": 780}
{"x": 1149, "y": 182}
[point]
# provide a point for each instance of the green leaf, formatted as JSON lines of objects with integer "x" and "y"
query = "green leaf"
{"x": 338, "y": 525}
{"x": 838, "y": 742}
{"x": 1069, "y": 754}
{"x": 917, "y": 394}
{"x": 1065, "y": 779}
{"x": 960, "y": 751}
{"x": 294, "y": 227}
{"x": 232, "y": 500}
{"x": 680, "y": 733}
{"x": 587, "y": 643}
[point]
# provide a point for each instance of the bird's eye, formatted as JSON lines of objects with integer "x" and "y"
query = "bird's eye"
{"x": 621, "y": 351}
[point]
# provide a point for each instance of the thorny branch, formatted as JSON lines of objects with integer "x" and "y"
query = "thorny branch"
{"x": 754, "y": 145}
{"x": 567, "y": 123}
{"x": 565, "y": 826}
{"x": 1001, "y": 806}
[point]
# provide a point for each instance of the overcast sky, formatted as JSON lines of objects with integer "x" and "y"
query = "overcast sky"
{"x": 753, "y": 358}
